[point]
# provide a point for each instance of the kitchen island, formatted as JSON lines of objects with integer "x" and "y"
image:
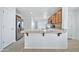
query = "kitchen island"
{"x": 44, "y": 39}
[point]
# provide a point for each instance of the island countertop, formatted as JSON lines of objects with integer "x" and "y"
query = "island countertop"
{"x": 56, "y": 31}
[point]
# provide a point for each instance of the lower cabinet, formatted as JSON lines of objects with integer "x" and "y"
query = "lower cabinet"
{"x": 62, "y": 41}
{"x": 48, "y": 41}
{"x": 34, "y": 41}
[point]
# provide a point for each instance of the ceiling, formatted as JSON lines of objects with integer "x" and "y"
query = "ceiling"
{"x": 38, "y": 12}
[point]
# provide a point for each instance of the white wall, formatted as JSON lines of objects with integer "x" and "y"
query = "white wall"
{"x": 8, "y": 26}
{"x": 71, "y": 23}
{"x": 37, "y": 23}
{"x": 65, "y": 17}
{"x": 27, "y": 23}
{"x": 77, "y": 24}
{"x": 42, "y": 24}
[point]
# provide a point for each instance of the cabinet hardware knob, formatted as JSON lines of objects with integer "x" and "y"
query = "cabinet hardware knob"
{"x": 59, "y": 34}
{"x": 43, "y": 34}
{"x": 27, "y": 34}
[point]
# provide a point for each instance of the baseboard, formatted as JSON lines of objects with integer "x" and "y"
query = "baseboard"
{"x": 46, "y": 47}
{"x": 71, "y": 38}
{"x": 6, "y": 45}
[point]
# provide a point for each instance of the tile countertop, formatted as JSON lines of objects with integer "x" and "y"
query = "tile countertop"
{"x": 56, "y": 31}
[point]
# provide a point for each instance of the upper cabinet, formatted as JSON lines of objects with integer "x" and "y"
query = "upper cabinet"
{"x": 56, "y": 18}
{"x": 18, "y": 17}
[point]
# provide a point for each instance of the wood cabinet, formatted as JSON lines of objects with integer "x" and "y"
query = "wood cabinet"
{"x": 53, "y": 21}
{"x": 56, "y": 18}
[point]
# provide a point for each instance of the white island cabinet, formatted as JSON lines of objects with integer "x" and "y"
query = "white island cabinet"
{"x": 46, "y": 40}
{"x": 34, "y": 40}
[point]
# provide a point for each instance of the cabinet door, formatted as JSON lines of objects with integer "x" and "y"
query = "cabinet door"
{"x": 1, "y": 18}
{"x": 34, "y": 40}
{"x": 49, "y": 41}
{"x": 62, "y": 41}
{"x": 8, "y": 26}
{"x": 53, "y": 19}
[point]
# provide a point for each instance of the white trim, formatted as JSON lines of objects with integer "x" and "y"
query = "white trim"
{"x": 44, "y": 48}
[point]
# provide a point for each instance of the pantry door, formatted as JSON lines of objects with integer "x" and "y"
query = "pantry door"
{"x": 1, "y": 18}
{"x": 8, "y": 26}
